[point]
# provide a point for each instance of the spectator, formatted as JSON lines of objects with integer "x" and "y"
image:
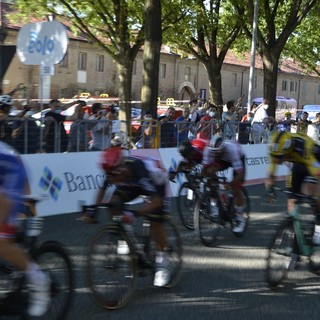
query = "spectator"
{"x": 230, "y": 117}
{"x": 286, "y": 123}
{"x": 258, "y": 130}
{"x": 78, "y": 137}
{"x": 55, "y": 135}
{"x": 183, "y": 125}
{"x": 26, "y": 132}
{"x": 194, "y": 117}
{"x": 100, "y": 128}
{"x": 6, "y": 104}
{"x": 167, "y": 129}
{"x": 207, "y": 125}
{"x": 248, "y": 117}
{"x": 148, "y": 132}
{"x": 303, "y": 123}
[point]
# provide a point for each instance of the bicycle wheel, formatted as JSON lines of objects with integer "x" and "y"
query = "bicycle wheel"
{"x": 185, "y": 204}
{"x": 206, "y": 227}
{"x": 111, "y": 272}
{"x": 174, "y": 250}
{"x": 54, "y": 260}
{"x": 281, "y": 253}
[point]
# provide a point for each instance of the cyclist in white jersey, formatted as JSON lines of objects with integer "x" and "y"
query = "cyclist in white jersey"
{"x": 221, "y": 155}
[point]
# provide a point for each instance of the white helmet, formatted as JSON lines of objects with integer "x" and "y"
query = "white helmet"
{"x": 6, "y": 100}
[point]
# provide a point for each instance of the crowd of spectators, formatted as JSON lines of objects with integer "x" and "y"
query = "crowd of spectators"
{"x": 91, "y": 129}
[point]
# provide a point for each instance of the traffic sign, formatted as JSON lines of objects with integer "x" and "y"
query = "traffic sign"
{"x": 42, "y": 43}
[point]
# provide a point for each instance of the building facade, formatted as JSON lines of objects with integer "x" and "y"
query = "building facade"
{"x": 86, "y": 68}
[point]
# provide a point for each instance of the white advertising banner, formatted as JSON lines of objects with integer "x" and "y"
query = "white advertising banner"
{"x": 70, "y": 179}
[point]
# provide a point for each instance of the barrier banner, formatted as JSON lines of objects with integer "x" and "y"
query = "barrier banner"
{"x": 69, "y": 180}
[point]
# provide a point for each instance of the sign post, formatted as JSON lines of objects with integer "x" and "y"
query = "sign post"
{"x": 44, "y": 44}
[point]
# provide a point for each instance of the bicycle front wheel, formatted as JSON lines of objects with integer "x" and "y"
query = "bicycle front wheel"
{"x": 207, "y": 228}
{"x": 281, "y": 253}
{"x": 174, "y": 250}
{"x": 186, "y": 202}
{"x": 111, "y": 267}
{"x": 54, "y": 260}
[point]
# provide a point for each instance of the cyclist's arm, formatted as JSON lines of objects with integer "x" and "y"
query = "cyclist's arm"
{"x": 271, "y": 175}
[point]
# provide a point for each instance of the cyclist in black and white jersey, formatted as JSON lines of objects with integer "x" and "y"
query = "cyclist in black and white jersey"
{"x": 13, "y": 185}
{"x": 220, "y": 155}
{"x": 134, "y": 176}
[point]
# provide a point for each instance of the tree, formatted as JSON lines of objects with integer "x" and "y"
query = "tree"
{"x": 207, "y": 32}
{"x": 278, "y": 20}
{"x": 304, "y": 43}
{"x": 151, "y": 55}
{"x": 114, "y": 25}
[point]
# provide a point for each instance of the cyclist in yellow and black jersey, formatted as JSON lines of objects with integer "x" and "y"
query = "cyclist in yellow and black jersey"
{"x": 303, "y": 154}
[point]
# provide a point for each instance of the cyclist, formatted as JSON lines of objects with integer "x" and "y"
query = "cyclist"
{"x": 304, "y": 155}
{"x": 14, "y": 184}
{"x": 192, "y": 153}
{"x": 135, "y": 176}
{"x": 221, "y": 155}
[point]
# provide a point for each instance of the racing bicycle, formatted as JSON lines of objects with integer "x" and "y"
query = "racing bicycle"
{"x": 293, "y": 241}
{"x": 120, "y": 252}
{"x": 215, "y": 210}
{"x": 53, "y": 258}
{"x": 186, "y": 199}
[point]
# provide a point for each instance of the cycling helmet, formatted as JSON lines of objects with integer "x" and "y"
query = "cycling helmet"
{"x": 185, "y": 148}
{"x": 6, "y": 100}
{"x": 288, "y": 113}
{"x": 112, "y": 158}
{"x": 217, "y": 145}
{"x": 280, "y": 144}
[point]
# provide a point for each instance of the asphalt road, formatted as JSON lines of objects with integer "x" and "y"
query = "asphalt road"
{"x": 225, "y": 282}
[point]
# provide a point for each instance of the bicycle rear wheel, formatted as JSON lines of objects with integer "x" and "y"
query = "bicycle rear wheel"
{"x": 111, "y": 267}
{"x": 55, "y": 261}
{"x": 185, "y": 204}
{"x": 207, "y": 228}
{"x": 281, "y": 253}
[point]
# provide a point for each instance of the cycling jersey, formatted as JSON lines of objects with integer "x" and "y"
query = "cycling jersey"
{"x": 13, "y": 180}
{"x": 232, "y": 156}
{"x": 304, "y": 151}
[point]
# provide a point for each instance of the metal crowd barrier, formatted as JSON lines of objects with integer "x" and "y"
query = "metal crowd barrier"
{"x": 29, "y": 135}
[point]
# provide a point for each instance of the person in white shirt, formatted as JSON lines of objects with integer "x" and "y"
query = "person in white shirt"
{"x": 259, "y": 134}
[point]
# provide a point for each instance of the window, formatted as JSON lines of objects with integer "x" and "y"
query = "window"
{"x": 187, "y": 73}
{"x": 235, "y": 77}
{"x": 284, "y": 85}
{"x": 100, "y": 63}
{"x": 162, "y": 71}
{"x": 82, "y": 62}
{"x": 65, "y": 61}
{"x": 293, "y": 86}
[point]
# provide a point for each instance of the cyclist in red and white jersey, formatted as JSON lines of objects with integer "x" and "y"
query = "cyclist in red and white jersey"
{"x": 13, "y": 185}
{"x": 134, "y": 176}
{"x": 192, "y": 153}
{"x": 219, "y": 156}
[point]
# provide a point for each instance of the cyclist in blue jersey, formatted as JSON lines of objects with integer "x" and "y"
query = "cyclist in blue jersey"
{"x": 13, "y": 185}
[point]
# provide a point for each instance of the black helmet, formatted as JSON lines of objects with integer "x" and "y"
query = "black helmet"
{"x": 185, "y": 148}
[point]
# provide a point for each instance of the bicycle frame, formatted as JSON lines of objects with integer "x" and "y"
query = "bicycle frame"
{"x": 304, "y": 248}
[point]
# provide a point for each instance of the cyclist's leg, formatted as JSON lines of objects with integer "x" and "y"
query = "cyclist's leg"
{"x": 9, "y": 251}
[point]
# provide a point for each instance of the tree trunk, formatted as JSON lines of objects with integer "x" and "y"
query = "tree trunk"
{"x": 151, "y": 56}
{"x": 270, "y": 72}
{"x": 215, "y": 83}
{"x": 125, "y": 79}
